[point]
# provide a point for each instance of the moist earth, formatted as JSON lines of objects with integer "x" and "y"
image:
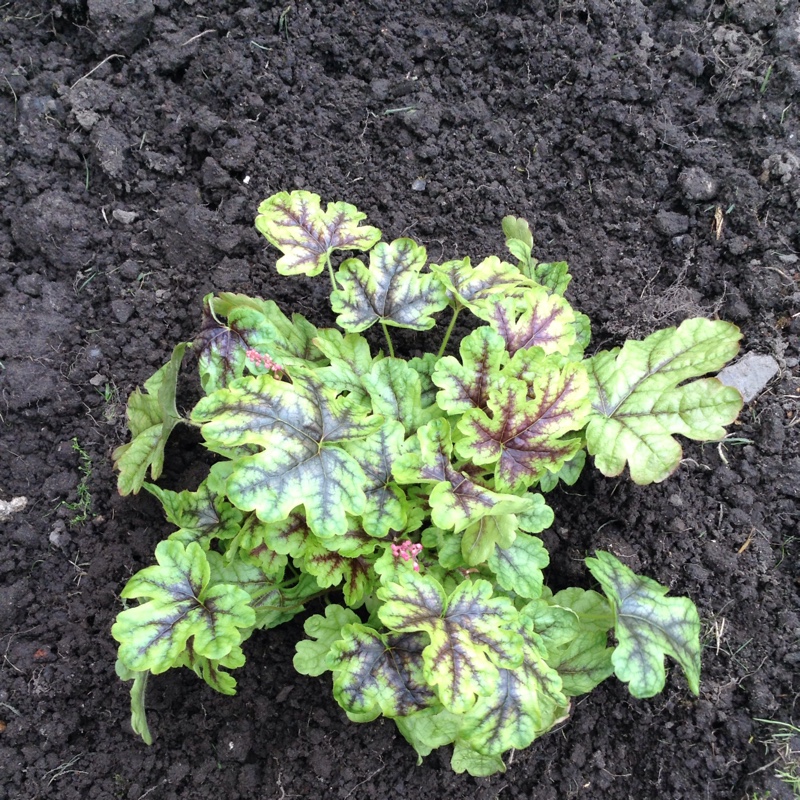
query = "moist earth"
{"x": 652, "y": 145}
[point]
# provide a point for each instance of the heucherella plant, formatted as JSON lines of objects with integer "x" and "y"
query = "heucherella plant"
{"x": 408, "y": 492}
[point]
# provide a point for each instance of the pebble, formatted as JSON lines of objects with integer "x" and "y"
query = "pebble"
{"x": 696, "y": 184}
{"x": 750, "y": 374}
{"x": 670, "y": 223}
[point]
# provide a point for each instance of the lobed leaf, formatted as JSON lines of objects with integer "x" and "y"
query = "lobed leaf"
{"x": 536, "y": 319}
{"x": 395, "y": 390}
{"x": 392, "y": 290}
{"x": 524, "y": 437}
{"x": 526, "y": 702}
{"x": 469, "y": 635}
{"x": 465, "y": 384}
{"x": 295, "y": 223}
{"x": 299, "y": 425}
{"x": 181, "y": 605}
{"x": 518, "y": 568}
{"x": 202, "y": 515}
{"x": 311, "y": 654}
{"x": 385, "y": 509}
{"x": 553, "y": 276}
{"x": 152, "y": 415}
{"x": 456, "y": 501}
{"x": 648, "y": 627}
{"x": 640, "y": 398}
{"x": 379, "y": 674}
{"x": 469, "y": 285}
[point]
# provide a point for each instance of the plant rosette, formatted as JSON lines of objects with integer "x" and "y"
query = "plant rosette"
{"x": 411, "y": 490}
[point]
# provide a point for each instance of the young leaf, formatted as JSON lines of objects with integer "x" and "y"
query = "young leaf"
{"x": 151, "y": 417}
{"x": 202, "y": 515}
{"x": 568, "y": 474}
{"x": 554, "y": 277}
{"x": 295, "y": 223}
{"x": 524, "y": 435}
{"x": 252, "y": 326}
{"x": 379, "y": 674}
{"x": 648, "y": 627}
{"x": 518, "y": 568}
{"x": 537, "y": 319}
{"x": 311, "y": 656}
{"x": 181, "y": 605}
{"x": 138, "y": 693}
{"x": 427, "y": 730}
{"x": 469, "y": 633}
{"x": 299, "y": 425}
{"x": 210, "y": 670}
{"x": 392, "y": 290}
{"x": 456, "y": 500}
{"x": 579, "y": 650}
{"x": 640, "y": 398}
{"x": 464, "y": 385}
{"x": 469, "y": 285}
{"x": 330, "y": 568}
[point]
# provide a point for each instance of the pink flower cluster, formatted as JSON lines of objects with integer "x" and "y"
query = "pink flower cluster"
{"x": 263, "y": 360}
{"x": 408, "y": 552}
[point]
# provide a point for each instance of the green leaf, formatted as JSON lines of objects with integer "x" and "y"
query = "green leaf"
{"x": 385, "y": 508}
{"x": 424, "y": 366}
{"x": 537, "y": 319}
{"x": 181, "y": 605}
{"x": 526, "y": 702}
{"x": 464, "y": 385}
{"x": 584, "y": 663}
{"x": 524, "y": 435}
{"x": 467, "y": 759}
{"x": 300, "y": 426}
{"x": 250, "y": 546}
{"x": 469, "y": 636}
{"x": 265, "y": 589}
{"x": 350, "y": 361}
{"x": 210, "y": 670}
{"x": 379, "y": 674}
{"x": 519, "y": 241}
{"x": 480, "y": 538}
{"x": 456, "y": 500}
{"x": 640, "y": 398}
{"x": 393, "y": 290}
{"x": 396, "y": 393}
{"x": 311, "y": 655}
{"x": 518, "y": 568}
{"x": 425, "y": 731}
{"x": 138, "y": 694}
{"x": 152, "y": 415}
{"x": 648, "y": 627}
{"x": 295, "y": 223}
{"x": 568, "y": 474}
{"x": 469, "y": 285}
{"x": 202, "y": 515}
{"x": 330, "y": 568}
{"x": 580, "y": 654}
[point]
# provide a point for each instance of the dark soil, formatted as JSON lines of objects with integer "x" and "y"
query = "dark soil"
{"x": 137, "y": 141}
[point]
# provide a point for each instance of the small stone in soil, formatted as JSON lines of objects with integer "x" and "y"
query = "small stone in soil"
{"x": 750, "y": 374}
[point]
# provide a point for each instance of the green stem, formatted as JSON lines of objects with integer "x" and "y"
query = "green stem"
{"x": 448, "y": 332}
{"x": 330, "y": 271}
{"x": 138, "y": 712}
{"x": 388, "y": 339}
